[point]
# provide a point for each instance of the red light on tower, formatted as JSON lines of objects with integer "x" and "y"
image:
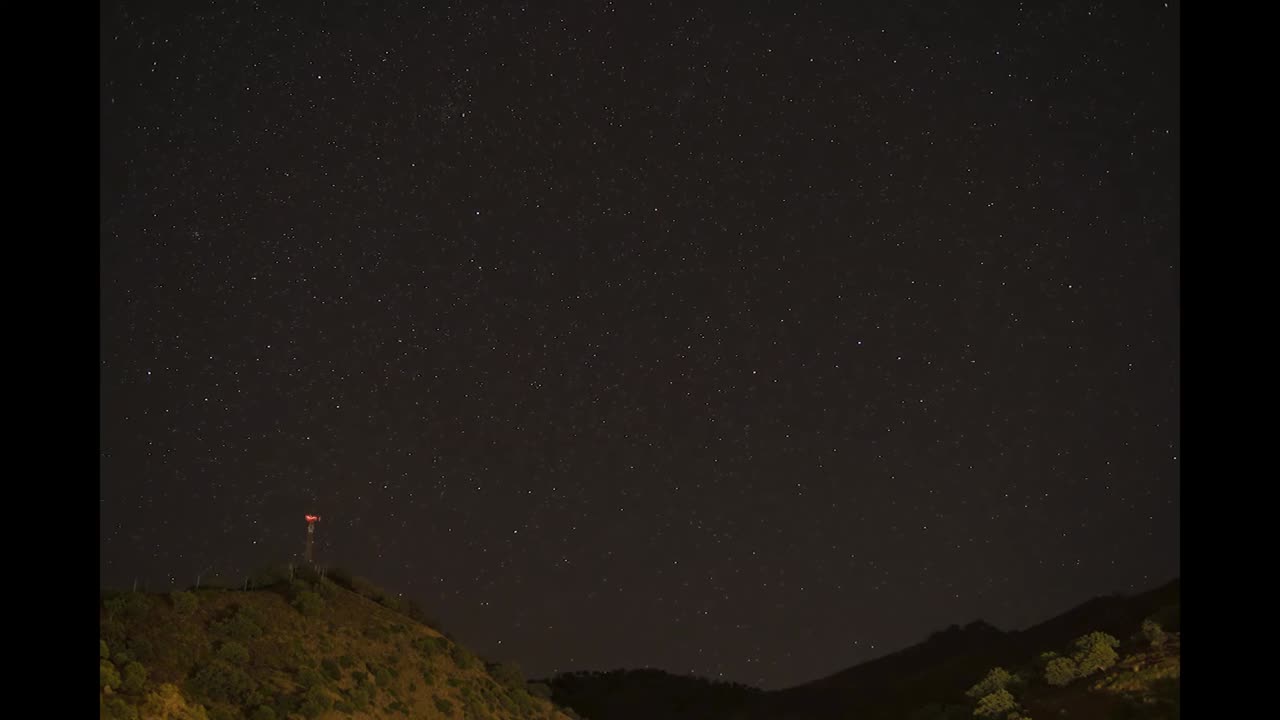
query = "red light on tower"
{"x": 311, "y": 536}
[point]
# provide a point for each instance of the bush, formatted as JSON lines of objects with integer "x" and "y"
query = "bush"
{"x": 508, "y": 674}
{"x": 1152, "y": 631}
{"x": 462, "y": 657}
{"x": 1060, "y": 671}
{"x": 443, "y": 705}
{"x": 233, "y": 653}
{"x": 134, "y": 678}
{"x": 309, "y": 677}
{"x": 997, "y": 679}
{"x": 130, "y": 606}
{"x": 1095, "y": 652}
{"x": 103, "y": 651}
{"x": 541, "y": 690}
{"x": 107, "y": 675}
{"x": 241, "y": 624}
{"x": 330, "y": 668}
{"x": 140, "y": 649}
{"x": 222, "y": 681}
{"x": 315, "y": 702}
{"x": 264, "y": 712}
{"x": 998, "y": 704}
{"x": 309, "y": 603}
{"x": 115, "y": 708}
{"x": 184, "y": 603}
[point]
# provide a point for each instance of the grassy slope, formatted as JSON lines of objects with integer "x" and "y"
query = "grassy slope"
{"x": 174, "y": 646}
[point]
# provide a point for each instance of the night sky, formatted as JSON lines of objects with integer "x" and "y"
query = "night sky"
{"x": 752, "y": 342}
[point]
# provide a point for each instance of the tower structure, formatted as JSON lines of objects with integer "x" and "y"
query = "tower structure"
{"x": 311, "y": 538}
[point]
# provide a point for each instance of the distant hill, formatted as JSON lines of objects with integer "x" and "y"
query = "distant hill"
{"x": 306, "y": 648}
{"x": 937, "y": 672}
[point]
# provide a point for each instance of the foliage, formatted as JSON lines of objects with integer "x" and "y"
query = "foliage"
{"x": 167, "y": 703}
{"x": 220, "y": 680}
{"x": 115, "y": 708}
{"x": 108, "y": 677}
{"x": 315, "y": 702}
{"x": 131, "y": 606}
{"x": 309, "y": 603}
{"x": 1154, "y": 634}
{"x": 233, "y": 653}
{"x": 996, "y": 679}
{"x": 184, "y": 603}
{"x": 309, "y": 677}
{"x": 507, "y": 674}
{"x": 103, "y": 651}
{"x": 134, "y": 677}
{"x": 541, "y": 690}
{"x": 1060, "y": 671}
{"x": 1095, "y": 652}
{"x": 462, "y": 657}
{"x": 330, "y": 668}
{"x": 443, "y": 705}
{"x": 998, "y": 704}
{"x": 263, "y": 712}
{"x": 241, "y": 623}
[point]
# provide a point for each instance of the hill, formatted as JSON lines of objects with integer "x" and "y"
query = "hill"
{"x": 929, "y": 679}
{"x": 306, "y": 647}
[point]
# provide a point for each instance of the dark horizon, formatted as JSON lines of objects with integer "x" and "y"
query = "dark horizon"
{"x": 751, "y": 344}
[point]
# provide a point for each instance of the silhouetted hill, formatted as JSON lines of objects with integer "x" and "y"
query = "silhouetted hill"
{"x": 938, "y": 670}
{"x": 306, "y": 648}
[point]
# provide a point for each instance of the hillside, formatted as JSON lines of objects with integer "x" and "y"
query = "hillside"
{"x": 307, "y": 648}
{"x": 928, "y": 679}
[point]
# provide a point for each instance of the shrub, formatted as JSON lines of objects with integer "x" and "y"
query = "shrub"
{"x": 997, "y": 704}
{"x": 346, "y": 661}
{"x": 1152, "y": 631}
{"x": 134, "y": 678}
{"x": 997, "y": 679}
{"x": 443, "y": 705}
{"x": 107, "y": 675}
{"x": 1094, "y": 652}
{"x": 507, "y": 673}
{"x": 233, "y": 653}
{"x": 541, "y": 690}
{"x": 115, "y": 708}
{"x": 140, "y": 649}
{"x": 309, "y": 677}
{"x": 167, "y": 702}
{"x": 103, "y": 651}
{"x": 241, "y": 624}
{"x": 264, "y": 712}
{"x": 131, "y": 606}
{"x": 1060, "y": 671}
{"x": 462, "y": 657}
{"x": 309, "y": 603}
{"x": 315, "y": 702}
{"x": 330, "y": 668}
{"x": 220, "y": 680}
{"x": 184, "y": 603}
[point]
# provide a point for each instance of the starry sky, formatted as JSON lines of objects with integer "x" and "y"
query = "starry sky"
{"x": 752, "y": 341}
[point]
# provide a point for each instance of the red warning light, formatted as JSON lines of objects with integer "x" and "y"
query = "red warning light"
{"x": 312, "y": 518}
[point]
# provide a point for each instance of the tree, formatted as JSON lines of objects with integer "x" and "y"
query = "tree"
{"x": 1060, "y": 671}
{"x": 233, "y": 653}
{"x": 134, "y": 677}
{"x": 997, "y": 679}
{"x": 1095, "y": 652}
{"x": 1154, "y": 634}
{"x": 103, "y": 652}
{"x": 108, "y": 678}
{"x": 996, "y": 705}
